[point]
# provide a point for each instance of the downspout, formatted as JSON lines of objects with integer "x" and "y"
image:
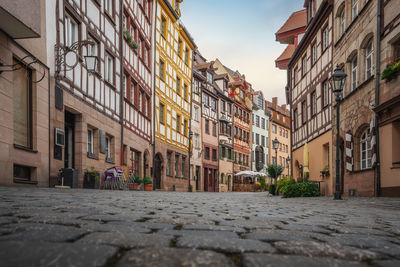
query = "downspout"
{"x": 190, "y": 119}
{"x": 121, "y": 48}
{"x": 50, "y": 131}
{"x": 377, "y": 83}
{"x": 154, "y": 43}
{"x": 291, "y": 120}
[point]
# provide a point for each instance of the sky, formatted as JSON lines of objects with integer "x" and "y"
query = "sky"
{"x": 241, "y": 34}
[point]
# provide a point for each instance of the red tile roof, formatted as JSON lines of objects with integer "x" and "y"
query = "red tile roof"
{"x": 287, "y": 53}
{"x": 297, "y": 20}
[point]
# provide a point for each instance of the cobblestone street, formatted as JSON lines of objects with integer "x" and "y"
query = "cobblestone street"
{"x": 51, "y": 227}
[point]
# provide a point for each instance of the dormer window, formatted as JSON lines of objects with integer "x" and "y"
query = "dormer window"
{"x": 311, "y": 10}
{"x": 209, "y": 78}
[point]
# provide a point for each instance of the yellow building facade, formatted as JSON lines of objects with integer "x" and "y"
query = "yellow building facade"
{"x": 173, "y": 74}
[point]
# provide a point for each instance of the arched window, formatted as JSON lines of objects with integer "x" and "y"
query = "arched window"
{"x": 354, "y": 9}
{"x": 354, "y": 72}
{"x": 342, "y": 22}
{"x": 365, "y": 150}
{"x": 369, "y": 60}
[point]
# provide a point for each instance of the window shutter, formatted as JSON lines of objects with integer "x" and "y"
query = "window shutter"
{"x": 372, "y": 128}
{"x": 349, "y": 152}
{"x": 219, "y": 152}
{"x": 59, "y": 103}
{"x": 102, "y": 138}
{"x": 233, "y": 154}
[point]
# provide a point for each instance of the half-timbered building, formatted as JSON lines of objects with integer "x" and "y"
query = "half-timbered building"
{"x": 209, "y": 119}
{"x": 310, "y": 95}
{"x": 85, "y": 106}
{"x": 138, "y": 83}
{"x": 173, "y": 74}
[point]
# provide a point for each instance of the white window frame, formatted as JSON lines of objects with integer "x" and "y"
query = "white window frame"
{"x": 141, "y": 101}
{"x": 108, "y": 6}
{"x": 132, "y": 91}
{"x": 90, "y": 140}
{"x": 342, "y": 22}
{"x": 108, "y": 147}
{"x": 325, "y": 87}
{"x": 314, "y": 103}
{"x": 354, "y": 9}
{"x": 354, "y": 72}
{"x": 369, "y": 60}
{"x": 109, "y": 68}
{"x": 209, "y": 78}
{"x": 325, "y": 38}
{"x": 365, "y": 158}
{"x": 71, "y": 30}
{"x": 314, "y": 53}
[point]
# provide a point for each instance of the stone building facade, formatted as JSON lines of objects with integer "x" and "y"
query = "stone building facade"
{"x": 24, "y": 94}
{"x": 310, "y": 97}
{"x": 173, "y": 76}
{"x": 355, "y": 38}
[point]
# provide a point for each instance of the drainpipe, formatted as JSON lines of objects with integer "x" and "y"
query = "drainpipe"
{"x": 121, "y": 103}
{"x": 291, "y": 119}
{"x": 154, "y": 42}
{"x": 377, "y": 83}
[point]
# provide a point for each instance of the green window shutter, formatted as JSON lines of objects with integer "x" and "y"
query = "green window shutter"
{"x": 219, "y": 152}
{"x": 233, "y": 154}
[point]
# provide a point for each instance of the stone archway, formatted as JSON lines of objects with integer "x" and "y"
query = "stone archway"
{"x": 158, "y": 168}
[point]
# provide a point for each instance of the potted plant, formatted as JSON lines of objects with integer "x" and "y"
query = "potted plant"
{"x": 91, "y": 178}
{"x": 147, "y": 183}
{"x": 325, "y": 171}
{"x": 134, "y": 182}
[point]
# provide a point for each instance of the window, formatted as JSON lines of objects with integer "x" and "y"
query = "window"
{"x": 187, "y": 56}
{"x": 213, "y": 104}
{"x": 365, "y": 150}
{"x": 196, "y": 113}
{"x": 161, "y": 70}
{"x": 22, "y": 102}
{"x": 178, "y": 85}
{"x": 209, "y": 78}
{"x": 180, "y": 48}
{"x": 196, "y": 86}
{"x": 396, "y": 51}
{"x": 325, "y": 38}
{"x": 183, "y": 167}
{"x": 280, "y": 131}
{"x": 214, "y": 130}
{"x": 230, "y": 109}
{"x": 178, "y": 123}
{"x": 304, "y": 112}
{"x": 109, "y": 68}
{"x": 207, "y": 153}
{"x": 354, "y": 71}
{"x": 263, "y": 123}
{"x": 304, "y": 65}
{"x": 274, "y": 128}
{"x": 71, "y": 31}
{"x": 93, "y": 49}
{"x": 207, "y": 126}
{"x": 90, "y": 141}
{"x": 176, "y": 165}
{"x": 313, "y": 103}
{"x": 257, "y": 139}
{"x": 163, "y": 26}
{"x": 206, "y": 100}
{"x": 214, "y": 155}
{"x": 196, "y": 141}
{"x": 342, "y": 22}
{"x": 296, "y": 76}
{"x": 222, "y": 106}
{"x": 185, "y": 125}
{"x": 169, "y": 156}
{"x": 262, "y": 140}
{"x": 109, "y": 6}
{"x": 369, "y": 60}
{"x": 257, "y": 121}
{"x": 162, "y": 112}
{"x": 313, "y": 53}
{"x": 132, "y": 93}
{"x": 108, "y": 148}
{"x": 354, "y": 9}
{"x": 325, "y": 93}
{"x": 140, "y": 48}
{"x": 185, "y": 91}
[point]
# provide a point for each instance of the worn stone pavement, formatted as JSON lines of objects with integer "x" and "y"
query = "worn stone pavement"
{"x": 76, "y": 227}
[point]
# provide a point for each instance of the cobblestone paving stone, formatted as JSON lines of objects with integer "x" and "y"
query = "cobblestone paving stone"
{"x": 53, "y": 227}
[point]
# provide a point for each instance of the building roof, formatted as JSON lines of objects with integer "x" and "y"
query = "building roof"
{"x": 202, "y": 66}
{"x": 297, "y": 20}
{"x": 287, "y": 53}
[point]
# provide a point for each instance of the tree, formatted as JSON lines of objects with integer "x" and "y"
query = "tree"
{"x": 274, "y": 171}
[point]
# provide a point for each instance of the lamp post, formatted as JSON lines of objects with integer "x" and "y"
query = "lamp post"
{"x": 288, "y": 165}
{"x": 337, "y": 82}
{"x": 275, "y": 145}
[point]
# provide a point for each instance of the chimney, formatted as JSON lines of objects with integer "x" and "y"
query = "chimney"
{"x": 284, "y": 107}
{"x": 274, "y": 102}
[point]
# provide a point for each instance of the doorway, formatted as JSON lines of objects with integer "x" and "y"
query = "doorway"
{"x": 157, "y": 171}
{"x": 197, "y": 178}
{"x": 69, "y": 150}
